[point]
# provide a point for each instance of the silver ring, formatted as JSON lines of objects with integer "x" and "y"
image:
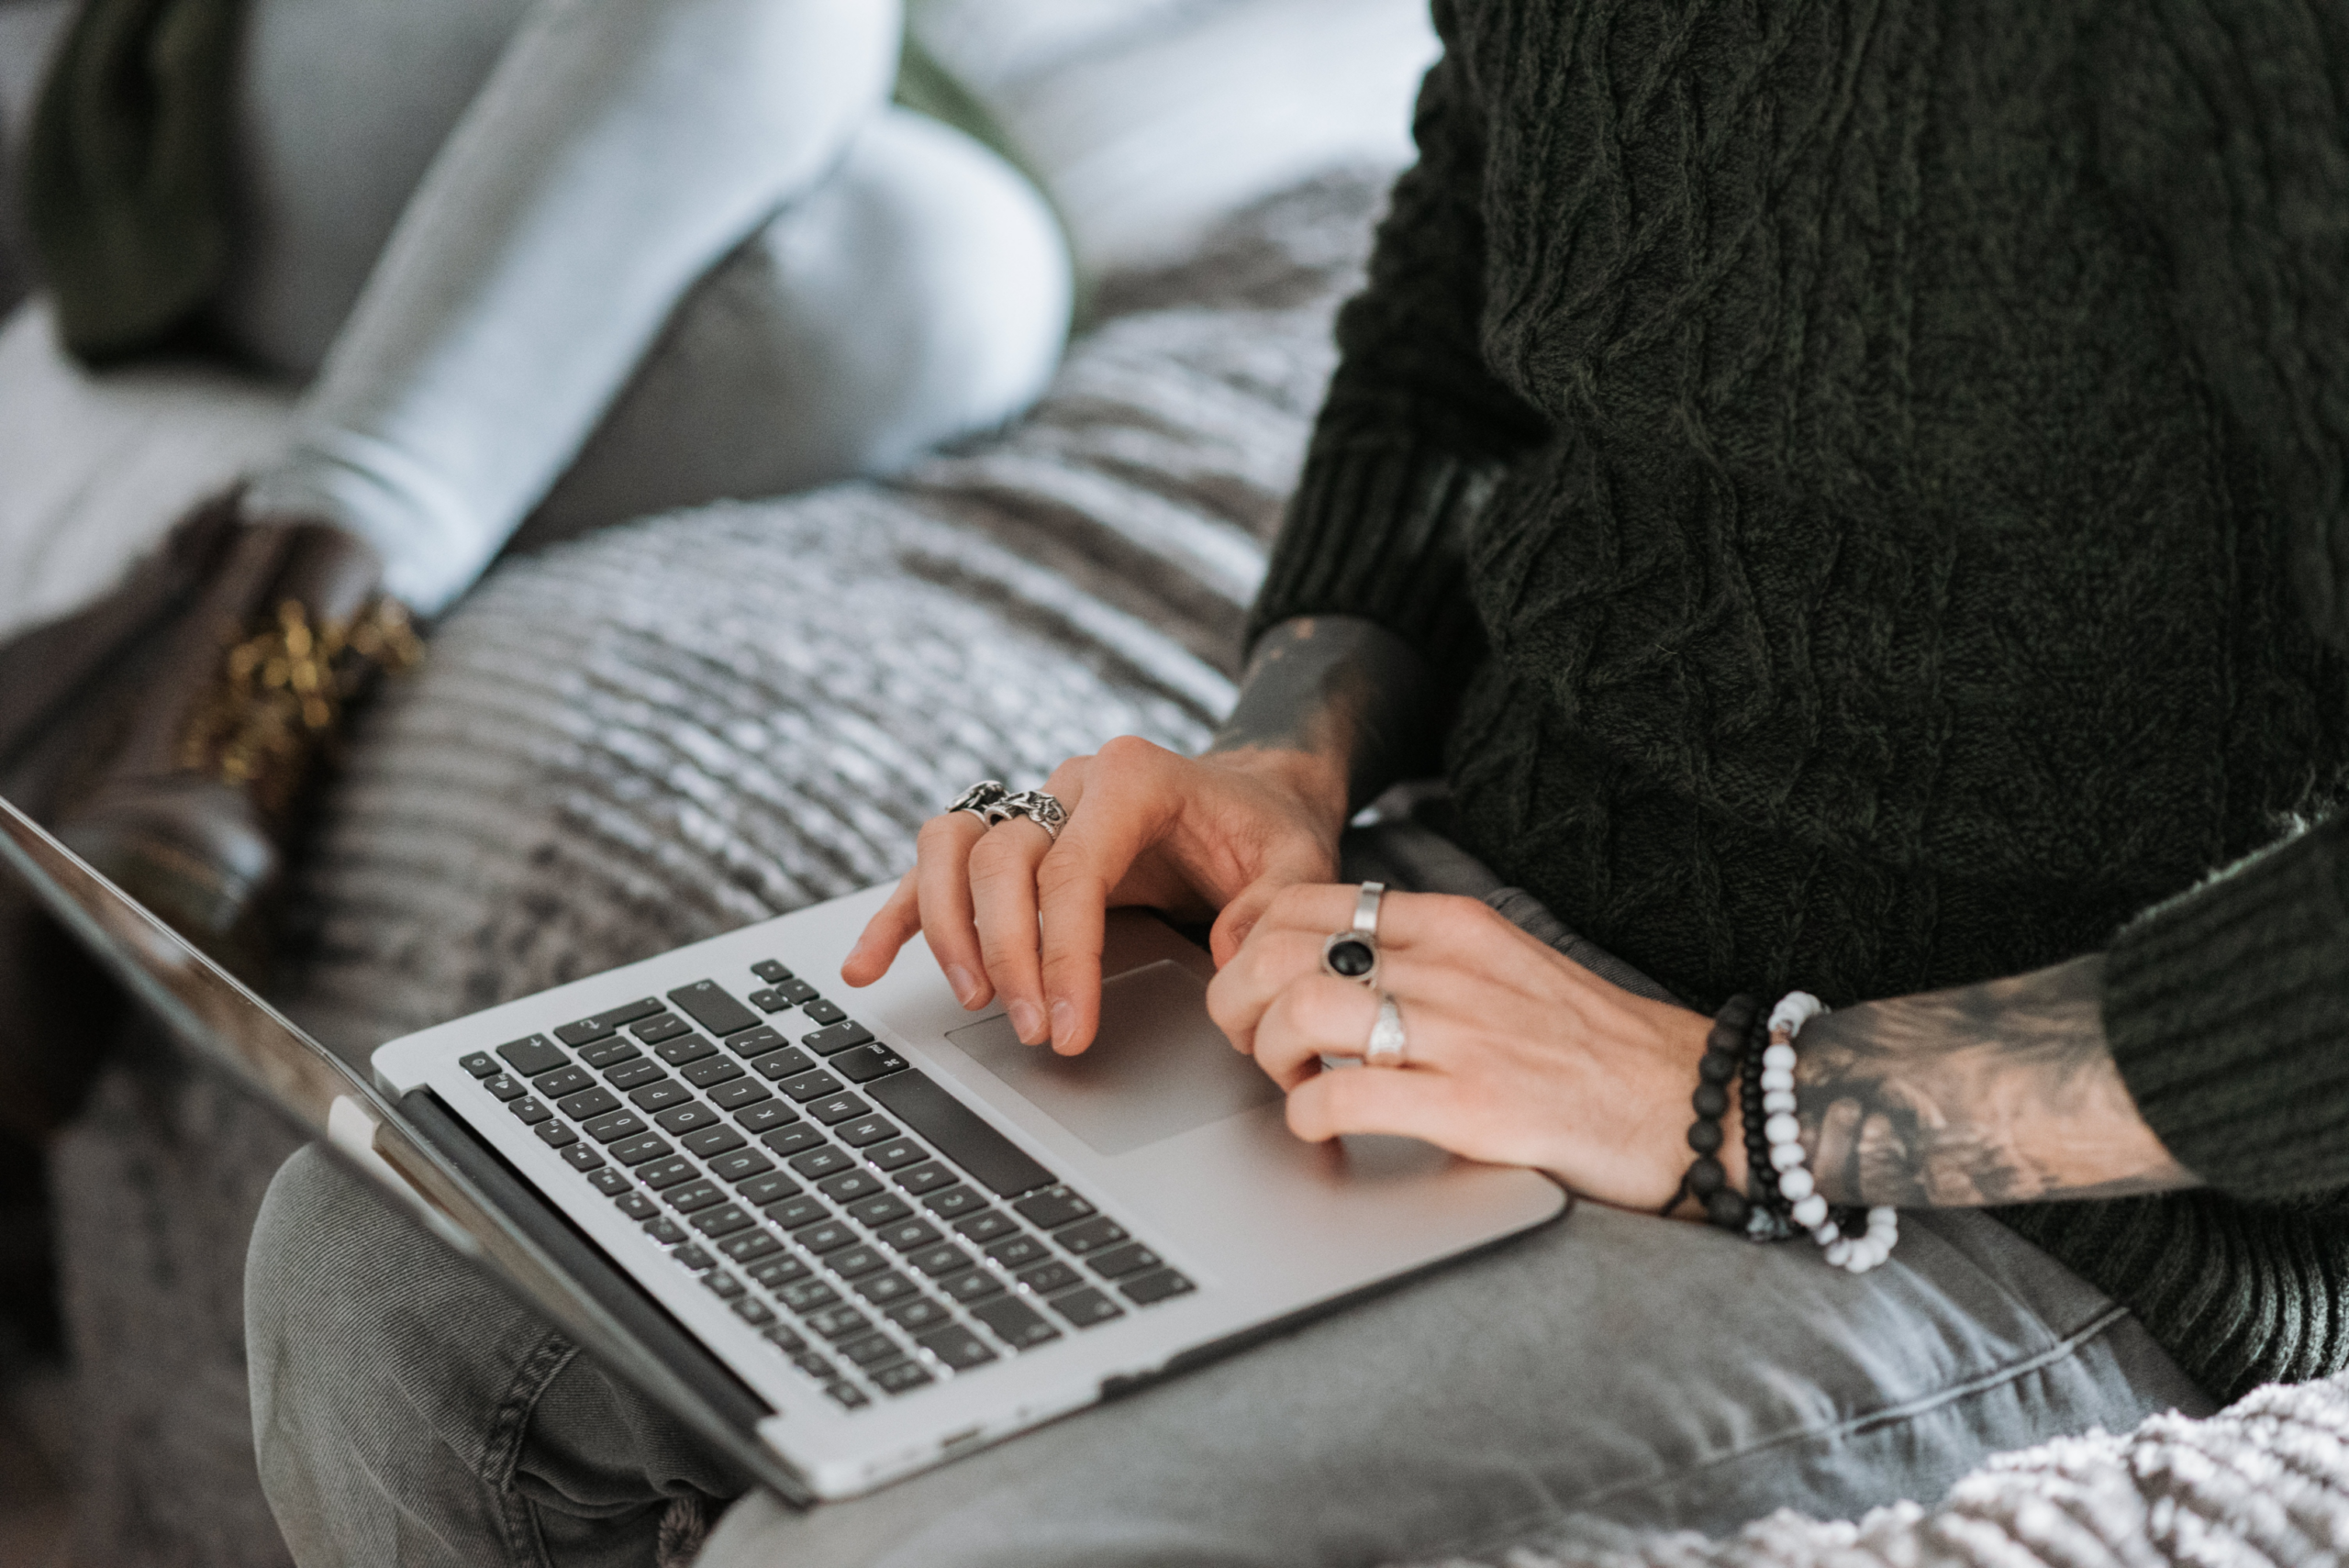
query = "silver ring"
{"x": 1044, "y": 811}
{"x": 1387, "y": 1045}
{"x": 1353, "y": 953}
{"x": 978, "y": 798}
{"x": 1366, "y": 904}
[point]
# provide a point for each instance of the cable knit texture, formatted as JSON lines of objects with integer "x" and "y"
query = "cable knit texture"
{"x": 1872, "y": 470}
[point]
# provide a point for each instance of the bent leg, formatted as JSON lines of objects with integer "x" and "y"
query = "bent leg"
{"x": 919, "y": 293}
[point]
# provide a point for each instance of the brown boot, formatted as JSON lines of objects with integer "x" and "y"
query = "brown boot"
{"x": 192, "y": 804}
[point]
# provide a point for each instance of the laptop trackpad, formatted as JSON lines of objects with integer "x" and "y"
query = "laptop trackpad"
{"x": 1159, "y": 1066}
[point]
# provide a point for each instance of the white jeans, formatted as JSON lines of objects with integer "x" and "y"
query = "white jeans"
{"x": 595, "y": 258}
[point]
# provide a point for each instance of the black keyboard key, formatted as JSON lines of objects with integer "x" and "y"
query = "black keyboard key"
{"x": 1015, "y": 1253}
{"x": 955, "y": 1131}
{"x": 1086, "y": 1307}
{"x": 664, "y": 1230}
{"x": 879, "y": 1211}
{"x": 851, "y": 1261}
{"x": 959, "y": 1348}
{"x": 780, "y": 1064}
{"x": 902, "y": 1378}
{"x": 692, "y": 1257}
{"x": 663, "y": 1026}
{"x": 850, "y": 1186}
{"x": 942, "y": 1260}
{"x": 589, "y": 1104}
{"x": 713, "y": 1009}
{"x": 871, "y": 1350}
{"x": 611, "y": 1053}
{"x": 771, "y": 970}
{"x": 695, "y": 1195}
{"x": 1016, "y": 1323}
{"x": 885, "y": 1288}
{"x": 786, "y": 1338}
{"x": 866, "y": 1129}
{"x": 529, "y": 1110}
{"x": 848, "y": 1395}
{"x": 741, "y": 1165}
{"x": 836, "y": 1109}
{"x": 1051, "y": 1210}
{"x": 1116, "y": 1263}
{"x": 986, "y": 1228}
{"x": 741, "y": 1091}
{"x": 764, "y": 1117}
{"x": 604, "y": 1022}
{"x": 659, "y": 1097}
{"x": 606, "y": 1181}
{"x": 925, "y": 1177}
{"x": 750, "y": 1246}
{"x": 919, "y": 1315}
{"x": 712, "y": 1141}
{"x": 1148, "y": 1290}
{"x": 867, "y": 1062}
{"x": 820, "y": 1162}
{"x": 812, "y": 1364}
{"x": 615, "y": 1125}
{"x": 953, "y": 1203}
{"x": 635, "y": 1074}
{"x": 678, "y": 1120}
{"x": 896, "y": 1153}
{"x": 839, "y": 1037}
{"x": 973, "y": 1285}
{"x": 807, "y": 1296}
{"x": 793, "y": 1212}
{"x": 907, "y": 1234}
{"x": 661, "y": 1174}
{"x": 837, "y": 1323}
{"x": 829, "y": 1237}
{"x": 709, "y": 1074}
{"x": 505, "y": 1086}
{"x": 636, "y": 1206}
{"x": 725, "y": 1286}
{"x": 769, "y": 1001}
{"x": 1046, "y": 1278}
{"x": 582, "y": 1157}
{"x": 1092, "y": 1235}
{"x": 564, "y": 1080}
{"x": 794, "y": 991}
{"x": 723, "y": 1221}
{"x": 772, "y": 1272}
{"x": 638, "y": 1149}
{"x": 481, "y": 1064}
{"x": 688, "y": 1048}
{"x": 808, "y": 1087}
{"x": 754, "y": 1043}
{"x": 820, "y": 1011}
{"x": 533, "y": 1056}
{"x": 753, "y": 1311}
{"x": 772, "y": 1187}
{"x": 554, "y": 1135}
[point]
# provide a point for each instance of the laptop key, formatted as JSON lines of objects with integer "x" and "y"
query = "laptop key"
{"x": 927, "y": 1176}
{"x": 638, "y": 1149}
{"x": 879, "y": 1211}
{"x": 554, "y": 1135}
{"x": 959, "y": 1348}
{"x": 837, "y": 1323}
{"x": 1046, "y": 1278}
{"x": 1051, "y": 1209}
{"x": 1017, "y": 1252}
{"x": 1016, "y": 1323}
{"x": 975, "y": 1284}
{"x": 1119, "y": 1262}
{"x": 829, "y": 1237}
{"x": 867, "y": 1062}
{"x": 741, "y": 1091}
{"x": 723, "y": 1284}
{"x": 920, "y": 1314}
{"x": 713, "y": 1141}
{"x": 772, "y": 1271}
{"x": 686, "y": 1048}
{"x": 695, "y": 1195}
{"x": 582, "y": 1157}
{"x": 678, "y": 1120}
{"x": 769, "y": 1001}
{"x": 1148, "y": 1290}
{"x": 986, "y": 1228}
{"x": 634, "y": 1075}
{"x": 793, "y": 1212}
{"x": 613, "y": 1126}
{"x": 885, "y": 1288}
{"x": 771, "y": 970}
{"x": 756, "y": 1043}
{"x": 837, "y": 1038}
{"x": 764, "y": 1118}
{"x": 692, "y": 1257}
{"x": 794, "y": 991}
{"x": 786, "y": 1337}
{"x": 589, "y": 1104}
{"x": 741, "y": 1165}
{"x": 808, "y": 1087}
{"x": 604, "y": 1022}
{"x": 664, "y": 1230}
{"x": 660, "y": 1026}
{"x": 712, "y": 1071}
{"x": 807, "y": 1296}
{"x": 851, "y": 1261}
{"x": 777, "y": 1065}
{"x": 1086, "y": 1307}
{"x": 664, "y": 1173}
{"x": 611, "y": 1053}
{"x": 711, "y": 1006}
{"x": 609, "y": 1182}
{"x": 505, "y": 1086}
{"x": 942, "y": 1260}
{"x": 836, "y": 1109}
{"x": 772, "y": 1187}
{"x": 849, "y": 1396}
{"x": 850, "y": 1186}
{"x": 871, "y": 1349}
{"x": 823, "y": 1162}
{"x": 866, "y": 1129}
{"x": 957, "y": 1131}
{"x": 902, "y": 1378}
{"x": 529, "y": 1110}
{"x": 813, "y": 1364}
{"x": 953, "y": 1203}
{"x": 896, "y": 1153}
{"x": 636, "y": 1206}
{"x": 659, "y": 1097}
{"x": 907, "y": 1235}
{"x": 533, "y": 1055}
{"x": 821, "y": 1011}
{"x": 1092, "y": 1235}
{"x": 481, "y": 1064}
{"x": 750, "y": 1246}
{"x": 753, "y": 1311}
{"x": 563, "y": 1080}
{"x": 723, "y": 1221}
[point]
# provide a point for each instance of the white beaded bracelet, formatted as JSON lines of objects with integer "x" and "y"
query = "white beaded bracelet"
{"x": 1857, "y": 1254}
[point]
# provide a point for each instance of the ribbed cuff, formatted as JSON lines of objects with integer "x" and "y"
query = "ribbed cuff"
{"x": 2227, "y": 1009}
{"x": 1374, "y": 531}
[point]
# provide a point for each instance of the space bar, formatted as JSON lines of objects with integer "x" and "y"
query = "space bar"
{"x": 958, "y": 1133}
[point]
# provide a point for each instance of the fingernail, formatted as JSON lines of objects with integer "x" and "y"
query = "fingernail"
{"x": 966, "y": 988}
{"x": 1027, "y": 1020}
{"x": 1063, "y": 1023}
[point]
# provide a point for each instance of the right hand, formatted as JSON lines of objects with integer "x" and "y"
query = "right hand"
{"x": 1008, "y": 911}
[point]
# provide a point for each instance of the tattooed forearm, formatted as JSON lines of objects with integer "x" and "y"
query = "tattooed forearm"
{"x": 1998, "y": 1093}
{"x": 1343, "y": 688}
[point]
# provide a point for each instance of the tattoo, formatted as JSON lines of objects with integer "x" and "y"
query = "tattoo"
{"x": 1341, "y": 687}
{"x": 2001, "y": 1093}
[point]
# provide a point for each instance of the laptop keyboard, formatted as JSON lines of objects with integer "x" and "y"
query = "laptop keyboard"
{"x": 878, "y": 1231}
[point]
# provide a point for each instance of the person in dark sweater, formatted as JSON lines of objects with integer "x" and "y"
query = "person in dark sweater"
{"x": 1850, "y": 499}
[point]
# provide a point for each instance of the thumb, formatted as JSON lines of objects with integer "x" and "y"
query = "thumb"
{"x": 1240, "y": 917}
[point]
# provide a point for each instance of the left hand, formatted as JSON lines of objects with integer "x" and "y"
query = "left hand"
{"x": 1516, "y": 1055}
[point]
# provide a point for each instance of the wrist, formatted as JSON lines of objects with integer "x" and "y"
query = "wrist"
{"x": 1315, "y": 781}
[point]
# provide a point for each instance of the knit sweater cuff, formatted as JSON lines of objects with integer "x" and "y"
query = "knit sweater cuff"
{"x": 1374, "y": 531}
{"x": 2227, "y": 1009}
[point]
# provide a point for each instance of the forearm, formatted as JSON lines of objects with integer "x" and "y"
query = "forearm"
{"x": 1341, "y": 702}
{"x": 2004, "y": 1091}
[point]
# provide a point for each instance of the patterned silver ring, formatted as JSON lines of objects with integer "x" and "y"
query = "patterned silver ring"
{"x": 1044, "y": 811}
{"x": 1387, "y": 1045}
{"x": 979, "y": 798}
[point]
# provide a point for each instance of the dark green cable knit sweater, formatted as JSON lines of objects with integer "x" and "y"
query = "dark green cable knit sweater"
{"x": 1874, "y": 472}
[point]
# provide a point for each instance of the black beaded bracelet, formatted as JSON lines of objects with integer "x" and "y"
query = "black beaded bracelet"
{"x": 1707, "y": 1179}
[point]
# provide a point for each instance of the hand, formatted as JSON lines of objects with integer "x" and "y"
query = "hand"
{"x": 1005, "y": 910}
{"x": 1516, "y": 1055}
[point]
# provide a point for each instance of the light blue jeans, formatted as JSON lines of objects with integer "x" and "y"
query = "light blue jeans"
{"x": 596, "y": 258}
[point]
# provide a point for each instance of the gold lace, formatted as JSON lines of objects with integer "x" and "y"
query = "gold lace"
{"x": 281, "y": 694}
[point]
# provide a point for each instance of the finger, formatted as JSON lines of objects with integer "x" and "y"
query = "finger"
{"x": 888, "y": 931}
{"x": 1382, "y": 1100}
{"x": 1403, "y": 918}
{"x": 1127, "y": 803}
{"x": 1001, "y": 886}
{"x": 1269, "y": 964}
{"x": 1246, "y": 911}
{"x": 941, "y": 878}
{"x": 1316, "y": 1016}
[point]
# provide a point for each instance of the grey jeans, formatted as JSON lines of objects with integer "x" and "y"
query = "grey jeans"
{"x": 1613, "y": 1367}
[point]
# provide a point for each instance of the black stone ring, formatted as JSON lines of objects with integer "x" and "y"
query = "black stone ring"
{"x": 1351, "y": 955}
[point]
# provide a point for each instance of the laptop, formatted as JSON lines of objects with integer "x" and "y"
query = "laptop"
{"x": 844, "y": 1236}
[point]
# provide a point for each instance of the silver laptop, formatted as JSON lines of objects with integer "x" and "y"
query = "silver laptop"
{"x": 845, "y": 1235}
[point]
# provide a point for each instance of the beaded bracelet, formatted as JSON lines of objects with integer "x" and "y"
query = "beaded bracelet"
{"x": 1783, "y": 1134}
{"x": 1768, "y": 1217}
{"x": 1707, "y": 1179}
